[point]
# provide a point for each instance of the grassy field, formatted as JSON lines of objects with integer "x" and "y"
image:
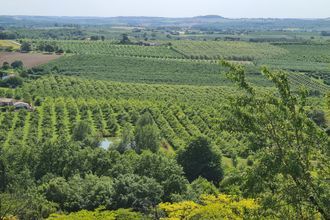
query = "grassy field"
{"x": 9, "y": 44}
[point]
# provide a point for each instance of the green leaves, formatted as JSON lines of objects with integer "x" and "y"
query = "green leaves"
{"x": 291, "y": 144}
{"x": 146, "y": 134}
{"x": 200, "y": 158}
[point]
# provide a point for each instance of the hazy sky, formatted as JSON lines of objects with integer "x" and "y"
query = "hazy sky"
{"x": 169, "y": 8}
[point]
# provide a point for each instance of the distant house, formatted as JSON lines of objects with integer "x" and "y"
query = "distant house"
{"x": 8, "y": 76}
{"x": 6, "y": 102}
{"x": 141, "y": 43}
{"x": 22, "y": 105}
{"x": 15, "y": 103}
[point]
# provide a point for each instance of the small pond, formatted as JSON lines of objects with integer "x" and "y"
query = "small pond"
{"x": 106, "y": 143}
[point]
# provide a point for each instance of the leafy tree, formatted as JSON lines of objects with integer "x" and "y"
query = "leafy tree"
{"x": 122, "y": 163}
{"x": 101, "y": 214}
{"x": 200, "y": 159}
{"x": 59, "y": 51}
{"x": 25, "y": 205}
{"x": 13, "y": 82}
{"x": 286, "y": 142}
{"x": 25, "y": 47}
{"x": 5, "y": 66}
{"x": 318, "y": 116}
{"x": 201, "y": 186}
{"x": 49, "y": 48}
{"x": 79, "y": 193}
{"x": 211, "y": 207}
{"x": 164, "y": 170}
{"x": 137, "y": 192}
{"x": 127, "y": 138}
{"x": 81, "y": 131}
{"x": 112, "y": 125}
{"x": 125, "y": 39}
{"x": 17, "y": 64}
{"x": 146, "y": 134}
{"x": 95, "y": 38}
{"x": 61, "y": 158}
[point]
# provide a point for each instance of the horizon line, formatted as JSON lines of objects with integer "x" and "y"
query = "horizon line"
{"x": 149, "y": 16}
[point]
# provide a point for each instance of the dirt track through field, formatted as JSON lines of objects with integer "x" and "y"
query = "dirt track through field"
{"x": 29, "y": 59}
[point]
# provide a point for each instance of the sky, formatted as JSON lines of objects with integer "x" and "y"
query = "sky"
{"x": 170, "y": 8}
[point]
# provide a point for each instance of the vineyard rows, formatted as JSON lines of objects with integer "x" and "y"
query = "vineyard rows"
{"x": 63, "y": 86}
{"x": 147, "y": 70}
{"x": 109, "y": 48}
{"x": 54, "y": 119}
{"x": 226, "y": 49}
{"x": 301, "y": 80}
{"x": 188, "y": 62}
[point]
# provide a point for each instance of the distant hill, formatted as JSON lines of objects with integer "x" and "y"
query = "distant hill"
{"x": 209, "y": 17}
{"x": 206, "y": 22}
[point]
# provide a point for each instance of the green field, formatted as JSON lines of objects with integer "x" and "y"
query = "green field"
{"x": 302, "y": 57}
{"x": 189, "y": 62}
{"x": 227, "y": 49}
{"x": 9, "y": 45}
{"x": 114, "y": 49}
{"x": 148, "y": 70}
{"x": 180, "y": 112}
{"x": 59, "y": 86}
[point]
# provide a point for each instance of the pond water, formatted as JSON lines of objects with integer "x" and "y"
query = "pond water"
{"x": 106, "y": 143}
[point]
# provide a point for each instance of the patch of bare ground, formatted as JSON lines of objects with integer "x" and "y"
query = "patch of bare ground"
{"x": 29, "y": 59}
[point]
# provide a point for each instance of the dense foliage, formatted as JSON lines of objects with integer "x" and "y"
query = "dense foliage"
{"x": 285, "y": 142}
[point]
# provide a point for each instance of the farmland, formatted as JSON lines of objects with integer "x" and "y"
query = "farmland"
{"x": 177, "y": 124}
{"x": 29, "y": 60}
{"x": 8, "y": 45}
{"x": 227, "y": 50}
{"x": 151, "y": 70}
{"x": 110, "y": 48}
{"x": 303, "y": 58}
{"x": 63, "y": 86}
{"x": 188, "y": 62}
{"x": 161, "y": 118}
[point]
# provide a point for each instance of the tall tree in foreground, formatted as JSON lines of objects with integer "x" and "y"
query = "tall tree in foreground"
{"x": 292, "y": 168}
{"x": 146, "y": 134}
{"x": 200, "y": 159}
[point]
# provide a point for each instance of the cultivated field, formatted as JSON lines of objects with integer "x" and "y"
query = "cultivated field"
{"x": 9, "y": 44}
{"x": 29, "y": 59}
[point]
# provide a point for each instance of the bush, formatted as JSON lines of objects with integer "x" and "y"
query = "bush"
{"x": 79, "y": 193}
{"x": 139, "y": 193}
{"x": 17, "y": 64}
{"x": 12, "y": 82}
{"x": 25, "y": 47}
{"x": 318, "y": 116}
{"x": 249, "y": 161}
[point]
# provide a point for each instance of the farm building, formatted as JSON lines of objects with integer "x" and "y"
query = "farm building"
{"x": 17, "y": 104}
{"x": 22, "y": 105}
{"x": 8, "y": 76}
{"x": 6, "y": 102}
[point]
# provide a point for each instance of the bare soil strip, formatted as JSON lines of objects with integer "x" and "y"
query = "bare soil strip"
{"x": 29, "y": 59}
